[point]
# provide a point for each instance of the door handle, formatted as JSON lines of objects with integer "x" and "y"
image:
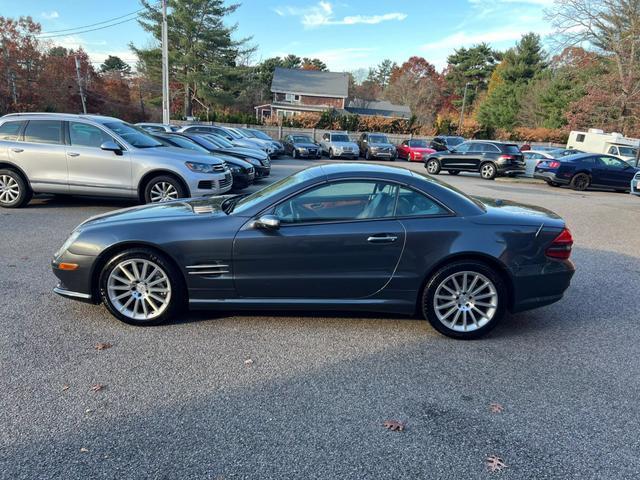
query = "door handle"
{"x": 73, "y": 154}
{"x": 382, "y": 238}
{"x": 17, "y": 150}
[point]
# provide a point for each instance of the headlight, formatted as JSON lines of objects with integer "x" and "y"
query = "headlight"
{"x": 302, "y": 150}
{"x": 199, "y": 167}
{"x": 235, "y": 169}
{"x": 65, "y": 246}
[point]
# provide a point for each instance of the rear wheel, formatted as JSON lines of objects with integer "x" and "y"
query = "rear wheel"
{"x": 163, "y": 189}
{"x": 580, "y": 182}
{"x": 488, "y": 171}
{"x": 14, "y": 192}
{"x": 453, "y": 172}
{"x": 433, "y": 166}
{"x": 464, "y": 300}
{"x": 141, "y": 287}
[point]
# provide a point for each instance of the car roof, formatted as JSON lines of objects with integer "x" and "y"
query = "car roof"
{"x": 61, "y": 116}
{"x": 493, "y": 142}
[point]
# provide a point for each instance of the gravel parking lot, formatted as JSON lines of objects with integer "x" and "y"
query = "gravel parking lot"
{"x": 184, "y": 401}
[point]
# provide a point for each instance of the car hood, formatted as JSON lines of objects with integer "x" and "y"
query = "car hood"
{"x": 246, "y": 152}
{"x": 175, "y": 209}
{"x": 422, "y": 149}
{"x": 345, "y": 144}
{"x": 244, "y": 142}
{"x": 505, "y": 212}
{"x": 305, "y": 145}
{"x": 174, "y": 153}
{"x": 381, "y": 145}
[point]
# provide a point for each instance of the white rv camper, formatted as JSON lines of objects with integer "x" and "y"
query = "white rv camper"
{"x": 597, "y": 141}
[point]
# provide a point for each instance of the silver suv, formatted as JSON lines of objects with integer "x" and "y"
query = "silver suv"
{"x": 338, "y": 144}
{"x": 100, "y": 156}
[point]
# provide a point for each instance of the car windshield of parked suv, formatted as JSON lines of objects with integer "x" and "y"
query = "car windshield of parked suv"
{"x": 378, "y": 139}
{"x": 339, "y": 137}
{"x": 511, "y": 149}
{"x": 628, "y": 151}
{"x": 419, "y": 143}
{"x": 453, "y": 141}
{"x": 259, "y": 134}
{"x": 184, "y": 142}
{"x": 134, "y": 136}
{"x": 302, "y": 139}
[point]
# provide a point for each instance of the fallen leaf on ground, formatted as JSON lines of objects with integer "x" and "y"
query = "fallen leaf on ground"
{"x": 248, "y": 361}
{"x": 496, "y": 408}
{"x": 495, "y": 463}
{"x": 394, "y": 425}
{"x": 88, "y": 410}
{"x": 65, "y": 388}
{"x": 97, "y": 387}
{"x": 84, "y": 450}
{"x": 103, "y": 346}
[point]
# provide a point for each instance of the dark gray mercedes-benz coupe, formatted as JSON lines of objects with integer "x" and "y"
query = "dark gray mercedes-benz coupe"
{"x": 332, "y": 237}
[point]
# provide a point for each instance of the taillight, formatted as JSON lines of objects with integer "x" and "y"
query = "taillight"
{"x": 554, "y": 164}
{"x": 560, "y": 248}
{"x": 506, "y": 157}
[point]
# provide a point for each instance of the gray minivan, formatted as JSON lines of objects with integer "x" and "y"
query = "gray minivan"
{"x": 98, "y": 156}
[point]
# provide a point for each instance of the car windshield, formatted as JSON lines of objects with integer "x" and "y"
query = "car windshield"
{"x": 628, "y": 151}
{"x": 259, "y": 134}
{"x": 418, "y": 143}
{"x": 453, "y": 141}
{"x": 234, "y": 134}
{"x": 184, "y": 142}
{"x": 340, "y": 138}
{"x": 213, "y": 139}
{"x": 243, "y": 203}
{"x": 378, "y": 139}
{"x": 222, "y": 141}
{"x": 302, "y": 139}
{"x": 134, "y": 136}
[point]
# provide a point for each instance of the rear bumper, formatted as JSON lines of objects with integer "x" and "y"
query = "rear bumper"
{"x": 504, "y": 169}
{"x": 549, "y": 177}
{"x": 539, "y": 285}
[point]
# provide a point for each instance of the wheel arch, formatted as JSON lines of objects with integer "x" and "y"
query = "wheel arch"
{"x": 148, "y": 176}
{"x": 113, "y": 250}
{"x": 12, "y": 166}
{"x": 491, "y": 262}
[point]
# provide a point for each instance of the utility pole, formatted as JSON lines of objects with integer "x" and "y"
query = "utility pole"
{"x": 165, "y": 66}
{"x": 84, "y": 102}
{"x": 464, "y": 102}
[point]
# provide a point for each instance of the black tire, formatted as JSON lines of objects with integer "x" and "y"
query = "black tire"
{"x": 160, "y": 181}
{"x": 488, "y": 171}
{"x": 580, "y": 182}
{"x": 433, "y": 166}
{"x": 177, "y": 302}
{"x": 453, "y": 172}
{"x": 11, "y": 183}
{"x": 552, "y": 184}
{"x": 428, "y": 300}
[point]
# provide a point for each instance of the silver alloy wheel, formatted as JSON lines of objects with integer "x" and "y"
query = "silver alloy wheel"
{"x": 139, "y": 289}
{"x": 432, "y": 166}
{"x": 488, "y": 170}
{"x": 163, "y": 192}
{"x": 465, "y": 301}
{"x": 9, "y": 189}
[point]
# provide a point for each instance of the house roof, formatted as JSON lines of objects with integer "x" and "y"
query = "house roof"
{"x": 310, "y": 82}
{"x": 378, "y": 107}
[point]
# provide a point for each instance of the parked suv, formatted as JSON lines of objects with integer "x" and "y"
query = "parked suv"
{"x": 338, "y": 144}
{"x": 100, "y": 156}
{"x": 377, "y": 145}
{"x": 489, "y": 158}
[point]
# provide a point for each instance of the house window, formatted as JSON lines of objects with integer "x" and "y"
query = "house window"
{"x": 292, "y": 97}
{"x": 580, "y": 137}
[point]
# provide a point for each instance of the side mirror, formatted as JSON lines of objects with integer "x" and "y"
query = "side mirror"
{"x": 268, "y": 222}
{"x": 111, "y": 146}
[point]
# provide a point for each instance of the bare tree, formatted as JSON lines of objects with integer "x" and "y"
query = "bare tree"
{"x": 612, "y": 27}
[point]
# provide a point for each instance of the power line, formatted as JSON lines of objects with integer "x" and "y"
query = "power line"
{"x": 90, "y": 30}
{"x": 91, "y": 24}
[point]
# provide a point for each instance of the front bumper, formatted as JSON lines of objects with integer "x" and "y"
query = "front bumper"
{"x": 75, "y": 284}
{"x": 201, "y": 185}
{"x": 383, "y": 155}
{"x": 306, "y": 153}
{"x": 262, "y": 171}
{"x": 549, "y": 177}
{"x": 635, "y": 185}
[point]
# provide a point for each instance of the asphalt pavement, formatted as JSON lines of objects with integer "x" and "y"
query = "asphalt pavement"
{"x": 216, "y": 396}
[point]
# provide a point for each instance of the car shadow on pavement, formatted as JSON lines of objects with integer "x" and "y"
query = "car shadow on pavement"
{"x": 61, "y": 201}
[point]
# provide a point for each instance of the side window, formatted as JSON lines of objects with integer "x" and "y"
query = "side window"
{"x": 490, "y": 148}
{"x": 613, "y": 150}
{"x": 463, "y": 147}
{"x": 10, "y": 130}
{"x": 613, "y": 163}
{"x": 85, "y": 135}
{"x": 412, "y": 203}
{"x": 353, "y": 200}
{"x": 43, "y": 131}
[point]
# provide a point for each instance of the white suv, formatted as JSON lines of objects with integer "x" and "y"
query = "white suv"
{"x": 98, "y": 156}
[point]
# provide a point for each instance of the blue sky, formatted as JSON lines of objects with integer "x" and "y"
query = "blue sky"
{"x": 346, "y": 34}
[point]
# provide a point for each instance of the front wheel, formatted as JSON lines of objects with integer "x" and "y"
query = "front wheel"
{"x": 163, "y": 189}
{"x": 433, "y": 166}
{"x": 488, "y": 171}
{"x": 553, "y": 184}
{"x": 580, "y": 182}
{"x": 141, "y": 287}
{"x": 14, "y": 192}
{"x": 464, "y": 300}
{"x": 294, "y": 153}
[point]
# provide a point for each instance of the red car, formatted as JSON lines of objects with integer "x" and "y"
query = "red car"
{"x": 414, "y": 150}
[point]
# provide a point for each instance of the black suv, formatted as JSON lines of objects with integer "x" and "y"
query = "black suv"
{"x": 442, "y": 143}
{"x": 488, "y": 158}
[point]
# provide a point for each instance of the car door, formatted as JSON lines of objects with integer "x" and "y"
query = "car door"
{"x": 93, "y": 171}
{"x": 288, "y": 145}
{"x": 456, "y": 158}
{"x": 613, "y": 173}
{"x": 403, "y": 149}
{"x": 336, "y": 241}
{"x": 41, "y": 155}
